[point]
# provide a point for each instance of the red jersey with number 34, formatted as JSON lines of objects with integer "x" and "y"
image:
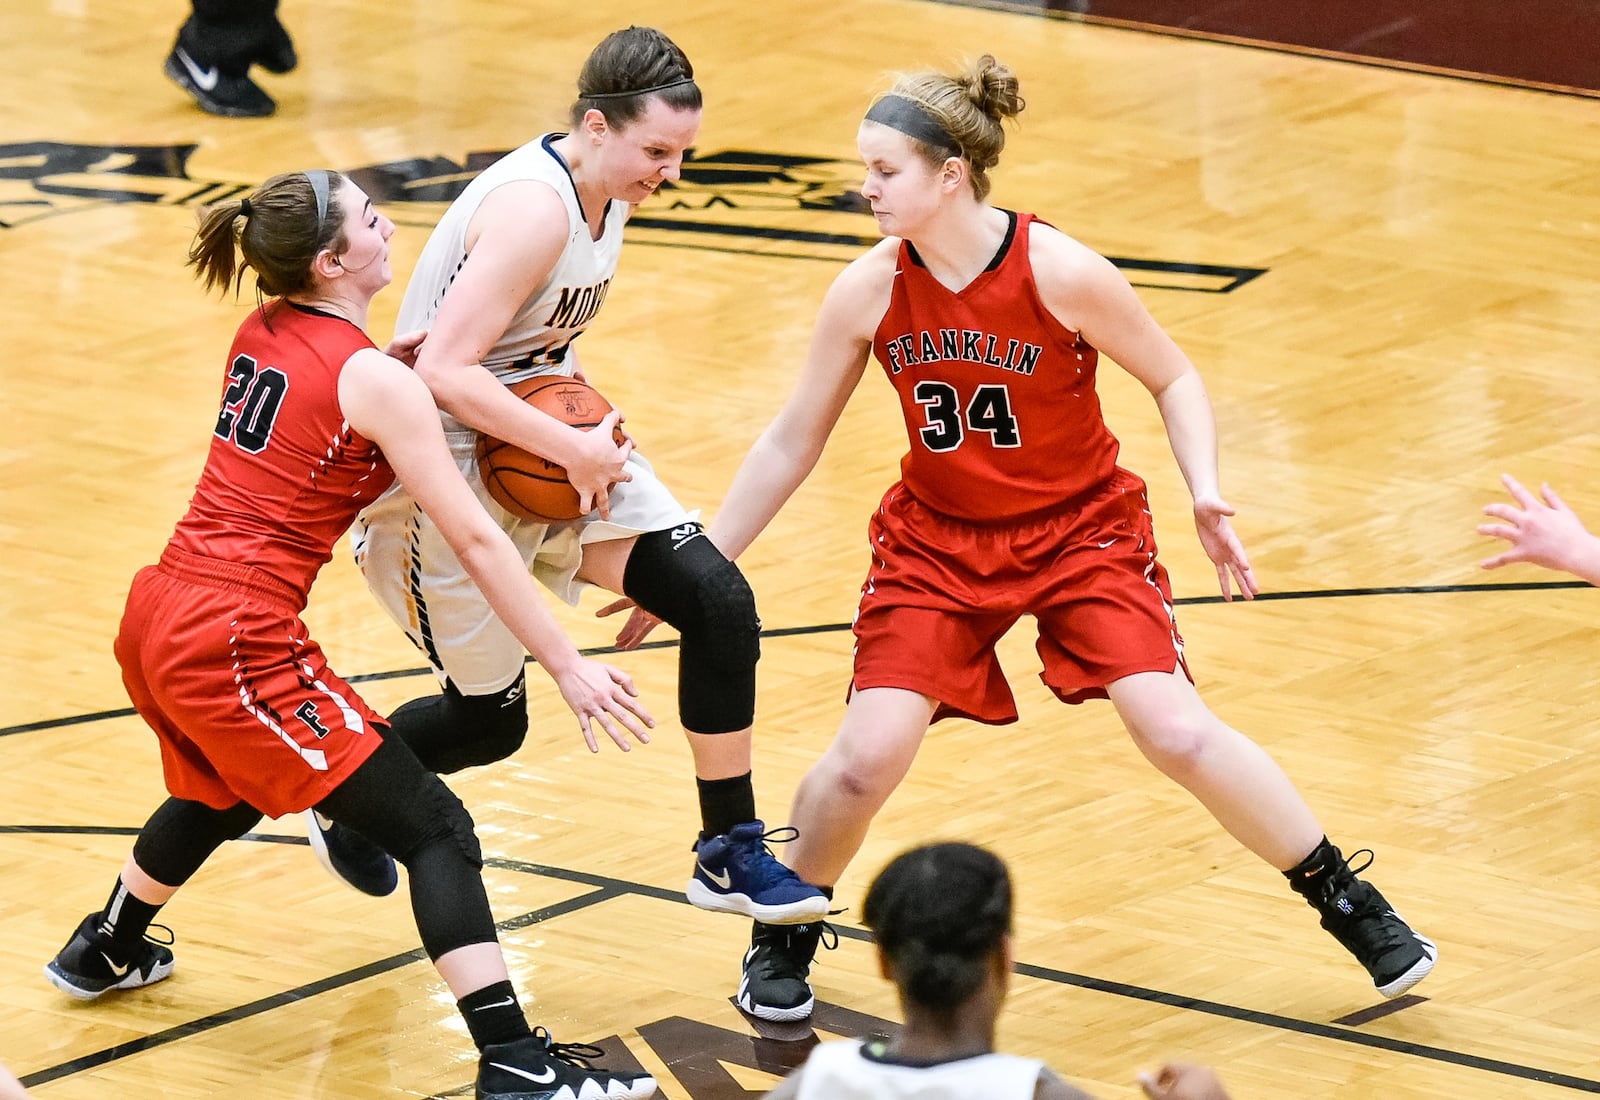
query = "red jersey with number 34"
{"x": 286, "y": 475}
{"x": 998, "y": 395}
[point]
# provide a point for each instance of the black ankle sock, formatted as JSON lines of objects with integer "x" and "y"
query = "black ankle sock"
{"x": 725, "y": 803}
{"x": 493, "y": 1015}
{"x": 127, "y": 918}
{"x": 1304, "y": 877}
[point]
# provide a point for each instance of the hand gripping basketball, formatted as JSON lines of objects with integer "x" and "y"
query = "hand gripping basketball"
{"x": 528, "y": 485}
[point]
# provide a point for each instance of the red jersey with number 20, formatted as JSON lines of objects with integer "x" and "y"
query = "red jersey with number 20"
{"x": 286, "y": 475}
{"x": 998, "y": 395}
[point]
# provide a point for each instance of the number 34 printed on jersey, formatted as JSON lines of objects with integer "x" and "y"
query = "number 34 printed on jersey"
{"x": 250, "y": 404}
{"x": 949, "y": 423}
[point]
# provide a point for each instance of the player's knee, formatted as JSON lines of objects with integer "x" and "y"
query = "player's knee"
{"x": 493, "y": 727}
{"x": 859, "y": 781}
{"x": 718, "y": 655}
{"x": 182, "y": 834}
{"x": 444, "y": 826}
{"x": 729, "y": 631}
{"x": 680, "y": 577}
{"x": 1177, "y": 745}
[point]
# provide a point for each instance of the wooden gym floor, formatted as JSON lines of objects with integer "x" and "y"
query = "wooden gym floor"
{"x": 1388, "y": 280}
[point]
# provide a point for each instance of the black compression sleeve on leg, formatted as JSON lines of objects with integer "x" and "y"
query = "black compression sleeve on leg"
{"x": 181, "y": 835}
{"x": 680, "y": 577}
{"x": 396, "y": 803}
{"x": 451, "y": 731}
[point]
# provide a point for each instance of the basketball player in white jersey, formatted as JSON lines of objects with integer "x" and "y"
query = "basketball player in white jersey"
{"x": 513, "y": 273}
{"x": 941, "y": 918}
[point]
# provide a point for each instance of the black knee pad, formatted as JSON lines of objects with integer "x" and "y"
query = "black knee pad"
{"x": 680, "y": 577}
{"x": 452, "y": 731}
{"x": 494, "y": 725}
{"x": 181, "y": 835}
{"x": 402, "y": 807}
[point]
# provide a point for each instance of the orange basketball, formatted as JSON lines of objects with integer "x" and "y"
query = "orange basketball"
{"x": 525, "y": 484}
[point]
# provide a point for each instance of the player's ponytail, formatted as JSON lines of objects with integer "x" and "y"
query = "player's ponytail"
{"x": 277, "y": 231}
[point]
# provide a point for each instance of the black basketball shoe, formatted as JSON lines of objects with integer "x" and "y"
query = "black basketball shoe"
{"x": 1369, "y": 928}
{"x": 537, "y": 1069}
{"x": 774, "y": 984}
{"x": 90, "y": 964}
{"x": 232, "y": 95}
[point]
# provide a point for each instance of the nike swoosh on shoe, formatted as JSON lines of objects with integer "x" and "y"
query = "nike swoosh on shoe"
{"x": 724, "y": 880}
{"x": 206, "y": 79}
{"x": 545, "y": 1078}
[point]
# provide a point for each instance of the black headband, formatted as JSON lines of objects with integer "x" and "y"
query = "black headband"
{"x": 678, "y": 83}
{"x": 318, "y": 178}
{"x": 913, "y": 120}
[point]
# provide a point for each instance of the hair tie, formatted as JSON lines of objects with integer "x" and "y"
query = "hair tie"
{"x": 678, "y": 83}
{"x": 244, "y": 208}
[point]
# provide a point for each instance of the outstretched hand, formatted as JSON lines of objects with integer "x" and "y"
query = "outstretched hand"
{"x": 604, "y": 696}
{"x": 639, "y": 624}
{"x": 1548, "y": 533}
{"x": 1223, "y": 547}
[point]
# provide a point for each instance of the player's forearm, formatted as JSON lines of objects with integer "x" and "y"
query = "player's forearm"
{"x": 1582, "y": 559}
{"x": 766, "y": 480}
{"x": 1191, "y": 431}
{"x": 468, "y": 392}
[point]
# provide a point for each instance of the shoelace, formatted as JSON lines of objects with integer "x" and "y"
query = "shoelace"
{"x": 827, "y": 937}
{"x": 172, "y": 937}
{"x": 781, "y": 835}
{"x": 151, "y": 936}
{"x": 573, "y": 1054}
{"x": 775, "y": 870}
{"x": 1342, "y": 879}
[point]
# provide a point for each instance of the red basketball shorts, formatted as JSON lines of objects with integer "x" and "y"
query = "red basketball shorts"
{"x": 218, "y": 663}
{"x": 942, "y": 592}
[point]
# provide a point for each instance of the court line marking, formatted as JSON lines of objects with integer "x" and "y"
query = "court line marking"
{"x": 606, "y": 888}
{"x": 832, "y": 628}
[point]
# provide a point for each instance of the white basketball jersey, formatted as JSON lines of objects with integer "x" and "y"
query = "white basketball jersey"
{"x": 535, "y": 342}
{"x": 841, "y": 1071}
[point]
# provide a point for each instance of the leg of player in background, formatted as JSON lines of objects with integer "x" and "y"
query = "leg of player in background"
{"x": 681, "y": 578}
{"x": 882, "y": 730}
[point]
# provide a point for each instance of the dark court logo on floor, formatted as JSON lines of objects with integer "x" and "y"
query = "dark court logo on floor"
{"x": 780, "y": 205}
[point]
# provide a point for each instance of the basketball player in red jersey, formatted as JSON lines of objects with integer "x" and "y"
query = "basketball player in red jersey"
{"x": 316, "y": 422}
{"x": 990, "y": 325}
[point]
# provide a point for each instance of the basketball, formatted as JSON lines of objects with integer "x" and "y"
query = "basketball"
{"x": 524, "y": 484}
